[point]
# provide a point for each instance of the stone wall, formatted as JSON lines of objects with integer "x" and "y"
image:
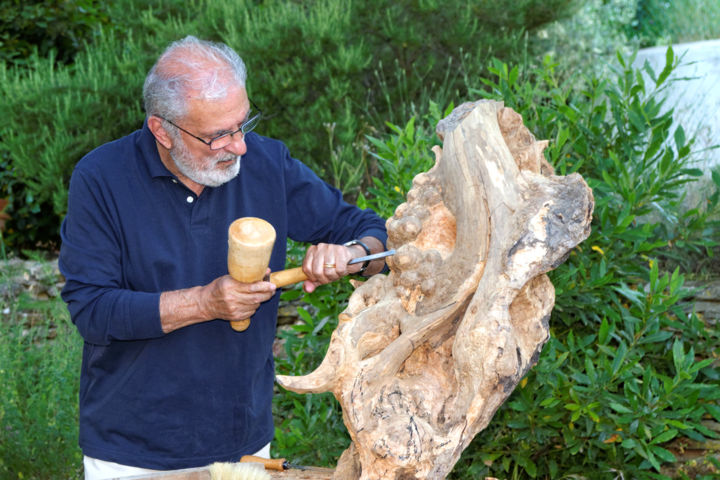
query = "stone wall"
{"x": 696, "y": 99}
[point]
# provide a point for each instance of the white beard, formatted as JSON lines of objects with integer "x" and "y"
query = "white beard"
{"x": 211, "y": 176}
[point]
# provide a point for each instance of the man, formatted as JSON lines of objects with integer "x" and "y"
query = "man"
{"x": 166, "y": 383}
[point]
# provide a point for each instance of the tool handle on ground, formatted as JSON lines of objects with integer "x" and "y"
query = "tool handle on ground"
{"x": 268, "y": 463}
{"x": 288, "y": 277}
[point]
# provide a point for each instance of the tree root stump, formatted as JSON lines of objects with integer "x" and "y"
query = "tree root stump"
{"x": 422, "y": 358}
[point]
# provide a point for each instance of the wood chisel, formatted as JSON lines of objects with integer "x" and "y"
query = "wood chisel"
{"x": 294, "y": 275}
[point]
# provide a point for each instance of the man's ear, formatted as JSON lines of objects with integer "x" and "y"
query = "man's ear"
{"x": 160, "y": 134}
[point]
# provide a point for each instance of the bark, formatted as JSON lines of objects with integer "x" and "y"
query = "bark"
{"x": 423, "y": 357}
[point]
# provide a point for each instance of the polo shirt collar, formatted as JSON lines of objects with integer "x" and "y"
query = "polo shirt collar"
{"x": 149, "y": 153}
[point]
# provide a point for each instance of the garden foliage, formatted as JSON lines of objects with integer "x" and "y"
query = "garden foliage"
{"x": 326, "y": 73}
{"x": 59, "y": 26}
{"x": 309, "y": 428}
{"x": 660, "y": 22}
{"x": 627, "y": 369}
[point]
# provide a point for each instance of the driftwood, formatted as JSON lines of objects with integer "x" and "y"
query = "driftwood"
{"x": 423, "y": 357}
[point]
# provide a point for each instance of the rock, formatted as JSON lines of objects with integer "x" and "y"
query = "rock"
{"x": 705, "y": 300}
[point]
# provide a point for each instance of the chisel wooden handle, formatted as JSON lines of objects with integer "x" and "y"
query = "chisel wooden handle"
{"x": 268, "y": 463}
{"x": 288, "y": 277}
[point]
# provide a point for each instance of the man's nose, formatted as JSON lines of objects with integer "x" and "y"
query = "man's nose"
{"x": 237, "y": 146}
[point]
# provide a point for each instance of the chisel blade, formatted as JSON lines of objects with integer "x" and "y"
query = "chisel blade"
{"x": 374, "y": 256}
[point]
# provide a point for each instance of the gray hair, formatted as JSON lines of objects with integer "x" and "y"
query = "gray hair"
{"x": 189, "y": 69}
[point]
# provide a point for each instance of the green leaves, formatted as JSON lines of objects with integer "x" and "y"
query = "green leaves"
{"x": 51, "y": 25}
{"x": 400, "y": 156}
{"x": 309, "y": 428}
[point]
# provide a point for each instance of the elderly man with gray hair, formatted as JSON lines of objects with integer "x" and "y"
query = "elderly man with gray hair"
{"x": 166, "y": 384}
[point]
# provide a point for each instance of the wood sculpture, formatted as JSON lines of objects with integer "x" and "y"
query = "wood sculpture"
{"x": 423, "y": 357}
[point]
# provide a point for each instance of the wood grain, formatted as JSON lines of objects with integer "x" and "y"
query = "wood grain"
{"x": 422, "y": 358}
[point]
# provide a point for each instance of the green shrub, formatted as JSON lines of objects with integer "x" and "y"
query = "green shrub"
{"x": 326, "y": 72}
{"x": 587, "y": 40}
{"x": 400, "y": 156}
{"x": 329, "y": 72}
{"x": 47, "y": 26}
{"x": 309, "y": 428}
{"x": 51, "y": 117}
{"x": 52, "y": 114}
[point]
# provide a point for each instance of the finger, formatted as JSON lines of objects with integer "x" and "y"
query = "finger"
{"x": 325, "y": 263}
{"x": 309, "y": 286}
{"x": 314, "y": 264}
{"x": 262, "y": 286}
{"x": 329, "y": 267}
{"x": 237, "y": 297}
{"x": 341, "y": 255}
{"x": 242, "y": 314}
{"x": 252, "y": 299}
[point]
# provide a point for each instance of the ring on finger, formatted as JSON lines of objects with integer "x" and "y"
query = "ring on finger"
{"x": 329, "y": 265}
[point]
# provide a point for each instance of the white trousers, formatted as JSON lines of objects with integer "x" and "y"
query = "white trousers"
{"x": 100, "y": 469}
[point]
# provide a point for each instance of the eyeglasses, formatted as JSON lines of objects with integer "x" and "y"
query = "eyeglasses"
{"x": 224, "y": 139}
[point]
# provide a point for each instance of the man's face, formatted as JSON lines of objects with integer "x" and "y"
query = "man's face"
{"x": 208, "y": 119}
{"x": 211, "y": 169}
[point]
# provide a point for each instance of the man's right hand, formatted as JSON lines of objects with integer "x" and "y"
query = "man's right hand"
{"x": 223, "y": 298}
{"x": 231, "y": 300}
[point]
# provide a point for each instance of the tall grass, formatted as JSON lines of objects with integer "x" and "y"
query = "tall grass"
{"x": 40, "y": 355}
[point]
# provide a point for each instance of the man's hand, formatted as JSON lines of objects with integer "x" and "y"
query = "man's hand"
{"x": 231, "y": 300}
{"x": 325, "y": 263}
{"x": 223, "y": 298}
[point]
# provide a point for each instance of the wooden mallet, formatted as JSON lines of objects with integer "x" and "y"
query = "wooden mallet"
{"x": 250, "y": 244}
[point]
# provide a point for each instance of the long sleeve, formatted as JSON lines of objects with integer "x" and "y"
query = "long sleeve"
{"x": 101, "y": 308}
{"x": 318, "y": 213}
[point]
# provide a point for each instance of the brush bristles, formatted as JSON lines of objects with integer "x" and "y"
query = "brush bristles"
{"x": 237, "y": 471}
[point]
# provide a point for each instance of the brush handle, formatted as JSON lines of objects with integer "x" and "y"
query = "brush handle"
{"x": 268, "y": 463}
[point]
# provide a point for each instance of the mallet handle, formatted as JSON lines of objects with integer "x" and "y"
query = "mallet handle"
{"x": 288, "y": 277}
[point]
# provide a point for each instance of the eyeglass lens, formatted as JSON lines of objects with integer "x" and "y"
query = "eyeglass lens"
{"x": 224, "y": 141}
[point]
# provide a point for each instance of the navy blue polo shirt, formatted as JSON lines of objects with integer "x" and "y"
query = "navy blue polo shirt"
{"x": 202, "y": 393}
